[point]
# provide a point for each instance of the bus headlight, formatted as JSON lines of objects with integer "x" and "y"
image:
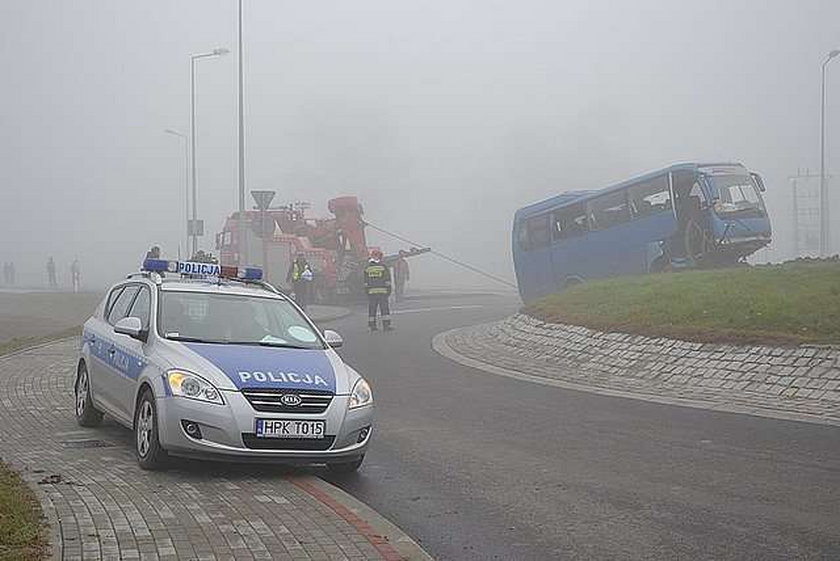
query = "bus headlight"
{"x": 192, "y": 386}
{"x": 361, "y": 394}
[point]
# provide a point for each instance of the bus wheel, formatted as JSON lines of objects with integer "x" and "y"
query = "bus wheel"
{"x": 660, "y": 265}
{"x": 573, "y": 281}
{"x": 696, "y": 241}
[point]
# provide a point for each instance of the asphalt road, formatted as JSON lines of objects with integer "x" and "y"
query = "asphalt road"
{"x": 476, "y": 466}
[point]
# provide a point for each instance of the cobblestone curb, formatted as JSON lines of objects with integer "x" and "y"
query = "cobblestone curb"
{"x": 101, "y": 505}
{"x": 800, "y": 383}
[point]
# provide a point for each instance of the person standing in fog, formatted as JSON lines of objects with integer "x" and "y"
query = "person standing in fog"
{"x": 75, "y": 275}
{"x": 51, "y": 273}
{"x": 153, "y": 253}
{"x": 378, "y": 287}
{"x": 401, "y": 275}
{"x": 301, "y": 276}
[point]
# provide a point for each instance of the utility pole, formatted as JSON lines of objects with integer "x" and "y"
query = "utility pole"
{"x": 825, "y": 232}
{"x": 242, "y": 222}
{"x": 241, "y": 122}
{"x": 793, "y": 181}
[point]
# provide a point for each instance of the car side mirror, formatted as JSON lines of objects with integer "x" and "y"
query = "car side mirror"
{"x": 130, "y": 326}
{"x": 759, "y": 181}
{"x": 333, "y": 339}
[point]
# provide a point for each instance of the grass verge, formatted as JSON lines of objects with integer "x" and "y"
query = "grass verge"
{"x": 18, "y": 343}
{"x": 22, "y": 531}
{"x": 23, "y": 535}
{"x": 788, "y": 304}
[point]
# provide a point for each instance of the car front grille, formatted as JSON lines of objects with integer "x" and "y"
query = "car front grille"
{"x": 318, "y": 444}
{"x": 271, "y": 401}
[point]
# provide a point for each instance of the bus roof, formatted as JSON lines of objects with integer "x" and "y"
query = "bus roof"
{"x": 582, "y": 195}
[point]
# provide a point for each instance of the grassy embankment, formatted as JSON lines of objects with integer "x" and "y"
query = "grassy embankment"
{"x": 18, "y": 343}
{"x": 786, "y": 304}
{"x": 22, "y": 533}
{"x": 26, "y": 320}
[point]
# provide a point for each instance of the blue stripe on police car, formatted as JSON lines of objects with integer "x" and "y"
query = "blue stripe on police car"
{"x": 270, "y": 367}
{"x": 121, "y": 360}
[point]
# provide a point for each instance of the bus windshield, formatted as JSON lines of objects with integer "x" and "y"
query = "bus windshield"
{"x": 736, "y": 194}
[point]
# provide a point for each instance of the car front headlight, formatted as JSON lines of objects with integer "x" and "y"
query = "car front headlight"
{"x": 192, "y": 386}
{"x": 361, "y": 394}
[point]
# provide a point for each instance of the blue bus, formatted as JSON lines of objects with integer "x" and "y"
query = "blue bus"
{"x": 685, "y": 215}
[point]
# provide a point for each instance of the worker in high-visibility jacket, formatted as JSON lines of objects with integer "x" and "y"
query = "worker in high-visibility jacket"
{"x": 300, "y": 275}
{"x": 378, "y": 286}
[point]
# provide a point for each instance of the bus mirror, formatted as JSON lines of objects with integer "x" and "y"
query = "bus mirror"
{"x": 759, "y": 182}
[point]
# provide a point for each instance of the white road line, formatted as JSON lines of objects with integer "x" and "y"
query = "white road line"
{"x": 419, "y": 310}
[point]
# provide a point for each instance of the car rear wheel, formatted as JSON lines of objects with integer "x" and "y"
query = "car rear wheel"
{"x": 344, "y": 468}
{"x": 86, "y": 414}
{"x": 150, "y": 454}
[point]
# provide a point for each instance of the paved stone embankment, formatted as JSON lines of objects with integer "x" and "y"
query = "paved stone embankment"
{"x": 801, "y": 383}
{"x": 101, "y": 505}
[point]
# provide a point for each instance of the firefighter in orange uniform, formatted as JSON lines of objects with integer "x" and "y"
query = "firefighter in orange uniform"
{"x": 378, "y": 286}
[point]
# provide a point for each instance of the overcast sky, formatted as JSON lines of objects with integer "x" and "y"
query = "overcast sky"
{"x": 444, "y": 117}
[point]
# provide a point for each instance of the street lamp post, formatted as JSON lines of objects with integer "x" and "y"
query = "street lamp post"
{"x": 243, "y": 256}
{"x": 825, "y": 235}
{"x": 183, "y": 137}
{"x": 194, "y": 223}
{"x": 241, "y": 123}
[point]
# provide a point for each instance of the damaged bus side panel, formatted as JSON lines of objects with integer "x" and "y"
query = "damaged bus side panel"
{"x": 686, "y": 215}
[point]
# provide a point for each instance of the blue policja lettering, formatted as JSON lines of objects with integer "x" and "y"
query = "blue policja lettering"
{"x": 278, "y": 377}
{"x": 191, "y": 268}
{"x": 121, "y": 361}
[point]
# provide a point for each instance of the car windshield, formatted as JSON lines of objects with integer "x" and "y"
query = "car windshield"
{"x": 737, "y": 194}
{"x": 234, "y": 319}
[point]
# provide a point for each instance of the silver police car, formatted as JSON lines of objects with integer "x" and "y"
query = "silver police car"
{"x": 221, "y": 367}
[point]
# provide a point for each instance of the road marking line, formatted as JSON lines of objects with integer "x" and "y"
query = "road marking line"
{"x": 418, "y": 310}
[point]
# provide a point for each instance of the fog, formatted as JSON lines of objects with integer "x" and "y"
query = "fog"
{"x": 443, "y": 117}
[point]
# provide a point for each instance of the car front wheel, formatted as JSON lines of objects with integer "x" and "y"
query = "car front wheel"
{"x": 150, "y": 454}
{"x": 86, "y": 414}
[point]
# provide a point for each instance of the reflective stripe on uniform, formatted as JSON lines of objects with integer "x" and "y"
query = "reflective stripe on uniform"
{"x": 375, "y": 271}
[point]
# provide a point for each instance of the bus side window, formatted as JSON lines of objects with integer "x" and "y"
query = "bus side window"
{"x": 569, "y": 222}
{"x": 539, "y": 232}
{"x": 650, "y": 197}
{"x": 609, "y": 210}
{"x": 522, "y": 235}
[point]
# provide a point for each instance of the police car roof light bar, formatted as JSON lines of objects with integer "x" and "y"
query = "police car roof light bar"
{"x": 203, "y": 270}
{"x": 241, "y": 273}
{"x": 160, "y": 266}
{"x": 250, "y": 273}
